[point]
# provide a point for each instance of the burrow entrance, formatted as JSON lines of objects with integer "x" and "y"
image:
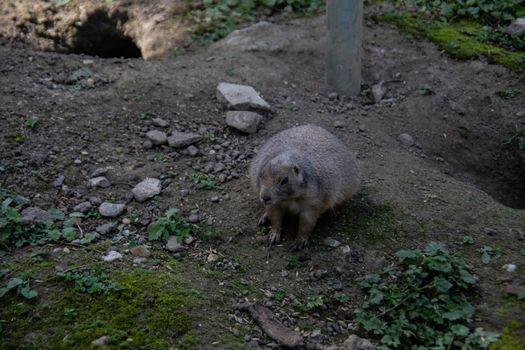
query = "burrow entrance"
{"x": 495, "y": 168}
{"x": 103, "y": 35}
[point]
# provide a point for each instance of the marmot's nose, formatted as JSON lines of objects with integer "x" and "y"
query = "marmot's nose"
{"x": 266, "y": 199}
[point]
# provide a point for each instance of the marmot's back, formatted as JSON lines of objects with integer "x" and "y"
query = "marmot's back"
{"x": 335, "y": 166}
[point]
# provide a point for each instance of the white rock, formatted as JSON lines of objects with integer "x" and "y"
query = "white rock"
{"x": 112, "y": 256}
{"x": 173, "y": 245}
{"x": 378, "y": 91}
{"x": 99, "y": 181}
{"x": 147, "y": 188}
{"x": 241, "y": 97}
{"x": 102, "y": 341}
{"x": 516, "y": 27}
{"x": 509, "y": 267}
{"x": 111, "y": 210}
{"x": 243, "y": 121}
{"x": 35, "y": 215}
{"x": 331, "y": 242}
{"x": 161, "y": 123}
{"x": 406, "y": 140}
{"x": 212, "y": 258}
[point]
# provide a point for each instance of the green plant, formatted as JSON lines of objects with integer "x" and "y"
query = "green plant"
{"x": 294, "y": 262}
{"x": 508, "y": 93}
{"x": 217, "y": 18}
{"x": 90, "y": 282}
{"x": 315, "y": 302}
{"x": 341, "y": 298}
{"x": 517, "y": 138}
{"x": 279, "y": 295}
{"x": 468, "y": 240}
{"x": 205, "y": 182}
{"x": 21, "y": 286}
{"x": 209, "y": 136}
{"x": 425, "y": 90}
{"x": 421, "y": 303}
{"x": 491, "y": 12}
{"x": 31, "y": 122}
{"x": 171, "y": 224}
{"x": 488, "y": 253}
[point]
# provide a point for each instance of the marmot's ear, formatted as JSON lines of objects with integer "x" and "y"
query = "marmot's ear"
{"x": 296, "y": 169}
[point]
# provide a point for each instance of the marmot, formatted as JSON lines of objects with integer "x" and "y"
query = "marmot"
{"x": 302, "y": 171}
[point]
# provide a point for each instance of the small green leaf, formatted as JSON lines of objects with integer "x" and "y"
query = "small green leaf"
{"x": 521, "y": 296}
{"x": 31, "y": 122}
{"x": 56, "y": 214}
{"x": 70, "y": 233}
{"x": 54, "y": 235}
{"x": 453, "y": 315}
{"x": 15, "y": 282}
{"x": 460, "y": 330}
{"x": 425, "y": 90}
{"x": 28, "y": 293}
{"x": 406, "y": 254}
{"x": 442, "y": 285}
{"x": 485, "y": 257}
{"x": 466, "y": 276}
{"x": 3, "y": 291}
{"x": 468, "y": 240}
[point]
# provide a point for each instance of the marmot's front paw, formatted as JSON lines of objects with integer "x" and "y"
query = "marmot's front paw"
{"x": 264, "y": 220}
{"x": 298, "y": 244}
{"x": 275, "y": 237}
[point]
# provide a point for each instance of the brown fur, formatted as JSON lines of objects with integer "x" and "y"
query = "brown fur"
{"x": 303, "y": 171}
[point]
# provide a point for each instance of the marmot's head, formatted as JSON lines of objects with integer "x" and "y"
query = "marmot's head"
{"x": 281, "y": 179}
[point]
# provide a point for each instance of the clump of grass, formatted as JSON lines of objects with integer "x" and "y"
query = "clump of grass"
{"x": 205, "y": 182}
{"x": 171, "y": 224}
{"x": 422, "y": 303}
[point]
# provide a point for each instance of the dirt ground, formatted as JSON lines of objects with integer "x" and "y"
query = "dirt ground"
{"x": 459, "y": 178}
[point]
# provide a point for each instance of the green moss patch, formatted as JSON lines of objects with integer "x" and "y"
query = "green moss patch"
{"x": 456, "y": 39}
{"x": 151, "y": 311}
{"x": 513, "y": 337}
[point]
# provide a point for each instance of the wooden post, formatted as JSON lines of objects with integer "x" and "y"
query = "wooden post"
{"x": 343, "y": 55}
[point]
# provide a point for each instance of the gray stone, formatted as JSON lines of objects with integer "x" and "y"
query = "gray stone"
{"x": 182, "y": 139}
{"x": 516, "y": 27}
{"x": 140, "y": 251}
{"x": 173, "y": 245}
{"x": 329, "y": 241}
{"x": 355, "y": 343}
{"x": 147, "y": 188}
{"x": 339, "y": 124}
{"x": 378, "y": 91}
{"x": 111, "y": 210}
{"x": 102, "y": 341}
{"x": 184, "y": 193}
{"x": 35, "y": 215}
{"x": 95, "y": 200}
{"x": 215, "y": 199}
{"x": 219, "y": 167}
{"x": 161, "y": 123}
{"x": 100, "y": 181}
{"x": 147, "y": 144}
{"x": 212, "y": 257}
{"x": 194, "y": 218}
{"x": 101, "y": 171}
{"x": 243, "y": 121}
{"x": 362, "y": 127}
{"x": 112, "y": 256}
{"x": 83, "y": 207}
{"x": 59, "y": 181}
{"x": 193, "y": 151}
{"x": 157, "y": 137}
{"x": 262, "y": 36}
{"x": 241, "y": 97}
{"x": 406, "y": 140}
{"x": 105, "y": 229}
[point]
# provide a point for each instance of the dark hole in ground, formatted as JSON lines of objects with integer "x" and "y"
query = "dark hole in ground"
{"x": 493, "y": 167}
{"x": 103, "y": 36}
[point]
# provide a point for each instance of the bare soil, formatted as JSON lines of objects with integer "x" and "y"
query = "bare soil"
{"x": 458, "y": 179}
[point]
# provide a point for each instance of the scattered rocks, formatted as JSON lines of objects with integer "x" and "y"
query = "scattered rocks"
{"x": 513, "y": 289}
{"x": 241, "y": 97}
{"x": 105, "y": 229}
{"x": 193, "y": 151}
{"x": 35, "y": 215}
{"x": 516, "y": 27}
{"x": 362, "y": 127}
{"x": 112, "y": 256}
{"x": 182, "y": 139}
{"x": 243, "y": 121}
{"x": 147, "y": 188}
{"x": 212, "y": 257}
{"x": 147, "y": 144}
{"x": 490, "y": 231}
{"x": 194, "y": 218}
{"x": 173, "y": 245}
{"x": 406, "y": 140}
{"x": 333, "y": 96}
{"x": 184, "y": 193}
{"x": 378, "y": 92}
{"x": 157, "y": 137}
{"x": 101, "y": 171}
{"x": 355, "y": 343}
{"x": 100, "y": 181}
{"x": 95, "y": 200}
{"x": 102, "y": 341}
{"x": 215, "y": 199}
{"x": 140, "y": 251}
{"x": 111, "y": 210}
{"x": 331, "y": 242}
{"x": 161, "y": 123}
{"x": 83, "y": 207}
{"x": 509, "y": 267}
{"x": 339, "y": 124}
{"x": 59, "y": 181}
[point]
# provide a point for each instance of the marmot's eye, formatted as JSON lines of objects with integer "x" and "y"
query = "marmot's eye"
{"x": 284, "y": 181}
